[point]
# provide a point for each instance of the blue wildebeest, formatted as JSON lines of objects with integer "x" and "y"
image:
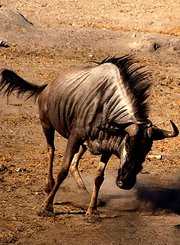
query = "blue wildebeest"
{"x": 103, "y": 108}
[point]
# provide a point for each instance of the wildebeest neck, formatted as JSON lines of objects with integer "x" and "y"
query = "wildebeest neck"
{"x": 105, "y": 142}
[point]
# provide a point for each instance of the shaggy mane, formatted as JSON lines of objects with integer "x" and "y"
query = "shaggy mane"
{"x": 137, "y": 82}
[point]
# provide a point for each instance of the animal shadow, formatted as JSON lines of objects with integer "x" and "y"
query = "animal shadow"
{"x": 160, "y": 198}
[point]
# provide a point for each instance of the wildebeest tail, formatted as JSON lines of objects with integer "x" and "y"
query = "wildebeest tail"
{"x": 10, "y": 81}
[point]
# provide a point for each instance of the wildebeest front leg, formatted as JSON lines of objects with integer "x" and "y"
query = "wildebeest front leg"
{"x": 74, "y": 167}
{"x": 71, "y": 149}
{"x": 92, "y": 209}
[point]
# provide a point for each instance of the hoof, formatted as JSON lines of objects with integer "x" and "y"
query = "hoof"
{"x": 93, "y": 217}
{"x": 45, "y": 213}
{"x": 92, "y": 213}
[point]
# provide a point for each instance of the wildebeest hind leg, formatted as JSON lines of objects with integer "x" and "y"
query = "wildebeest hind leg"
{"x": 74, "y": 168}
{"x": 71, "y": 149}
{"x": 49, "y": 134}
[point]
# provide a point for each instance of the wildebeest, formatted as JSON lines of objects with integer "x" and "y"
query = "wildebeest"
{"x": 103, "y": 108}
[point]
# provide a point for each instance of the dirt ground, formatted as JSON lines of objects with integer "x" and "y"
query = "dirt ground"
{"x": 43, "y": 39}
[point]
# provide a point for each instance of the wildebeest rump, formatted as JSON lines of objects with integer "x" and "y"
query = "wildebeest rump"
{"x": 103, "y": 108}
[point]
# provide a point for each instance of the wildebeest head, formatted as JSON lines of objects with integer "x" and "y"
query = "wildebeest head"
{"x": 134, "y": 148}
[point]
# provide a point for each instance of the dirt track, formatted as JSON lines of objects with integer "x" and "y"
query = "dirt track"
{"x": 53, "y": 38}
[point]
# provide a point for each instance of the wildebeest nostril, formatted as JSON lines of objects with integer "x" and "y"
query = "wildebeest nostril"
{"x": 120, "y": 184}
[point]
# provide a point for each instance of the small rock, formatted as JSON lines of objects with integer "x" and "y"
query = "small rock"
{"x": 21, "y": 170}
{"x": 2, "y": 168}
{"x": 44, "y": 5}
{"x": 4, "y": 44}
{"x": 156, "y": 46}
{"x": 133, "y": 35}
{"x": 152, "y": 46}
{"x": 176, "y": 46}
{"x": 90, "y": 55}
{"x": 157, "y": 157}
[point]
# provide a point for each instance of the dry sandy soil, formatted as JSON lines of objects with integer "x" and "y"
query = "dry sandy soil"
{"x": 44, "y": 39}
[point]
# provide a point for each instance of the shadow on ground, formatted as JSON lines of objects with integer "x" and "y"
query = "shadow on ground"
{"x": 160, "y": 198}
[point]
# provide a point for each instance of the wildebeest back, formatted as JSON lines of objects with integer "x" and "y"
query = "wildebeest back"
{"x": 89, "y": 98}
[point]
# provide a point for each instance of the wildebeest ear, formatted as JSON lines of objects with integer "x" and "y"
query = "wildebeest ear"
{"x": 150, "y": 132}
{"x": 132, "y": 129}
{"x": 159, "y": 134}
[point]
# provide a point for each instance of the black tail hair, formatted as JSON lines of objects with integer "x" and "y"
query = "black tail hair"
{"x": 10, "y": 81}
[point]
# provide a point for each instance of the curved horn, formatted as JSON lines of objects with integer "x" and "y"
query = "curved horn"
{"x": 159, "y": 134}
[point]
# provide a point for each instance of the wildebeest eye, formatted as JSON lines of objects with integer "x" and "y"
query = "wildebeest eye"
{"x": 127, "y": 147}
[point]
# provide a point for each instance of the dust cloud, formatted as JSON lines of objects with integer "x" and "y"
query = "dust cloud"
{"x": 111, "y": 198}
